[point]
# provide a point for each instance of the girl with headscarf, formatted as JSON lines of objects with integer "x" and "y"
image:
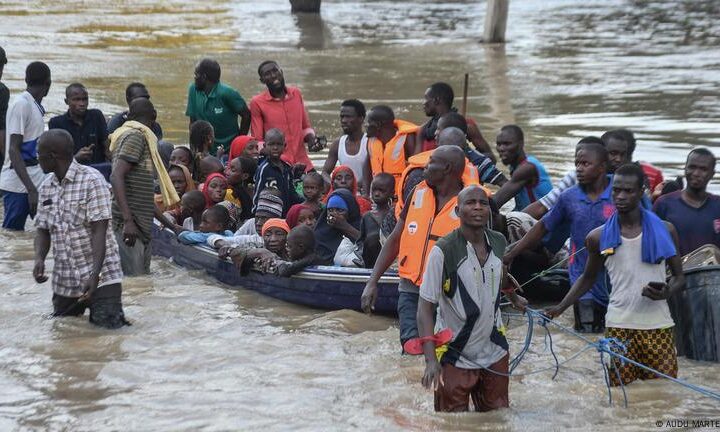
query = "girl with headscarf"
{"x": 244, "y": 145}
{"x": 343, "y": 177}
{"x": 215, "y": 189}
{"x": 182, "y": 182}
{"x": 301, "y": 214}
{"x": 340, "y": 218}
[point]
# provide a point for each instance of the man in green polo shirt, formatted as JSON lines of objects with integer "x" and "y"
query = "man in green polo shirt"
{"x": 218, "y": 104}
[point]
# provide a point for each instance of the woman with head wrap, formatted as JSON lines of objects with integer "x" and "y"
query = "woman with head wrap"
{"x": 243, "y": 145}
{"x": 343, "y": 177}
{"x": 340, "y": 218}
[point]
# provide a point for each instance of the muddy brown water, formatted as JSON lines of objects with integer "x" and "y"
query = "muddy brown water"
{"x": 200, "y": 356}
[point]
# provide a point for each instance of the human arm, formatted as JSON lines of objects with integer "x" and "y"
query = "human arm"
{"x": 585, "y": 282}
{"x": 165, "y": 221}
{"x": 426, "y": 324}
{"x": 413, "y": 145}
{"x": 288, "y": 269}
{"x": 42, "y": 247}
{"x": 388, "y": 254}
{"x": 366, "y": 180}
{"x": 119, "y": 173}
{"x": 192, "y": 237}
{"x": 98, "y": 231}
{"x": 538, "y": 208}
{"x": 257, "y": 125}
{"x": 15, "y": 155}
{"x": 529, "y": 241}
{"x": 677, "y": 280}
{"x": 331, "y": 161}
{"x": 487, "y": 171}
{"x": 4, "y": 99}
{"x": 510, "y": 291}
{"x": 341, "y": 224}
{"x": 523, "y": 175}
{"x": 476, "y": 138}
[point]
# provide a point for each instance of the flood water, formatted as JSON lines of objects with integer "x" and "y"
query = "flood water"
{"x": 200, "y": 356}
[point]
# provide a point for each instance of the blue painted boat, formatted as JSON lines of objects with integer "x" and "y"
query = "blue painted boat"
{"x": 322, "y": 287}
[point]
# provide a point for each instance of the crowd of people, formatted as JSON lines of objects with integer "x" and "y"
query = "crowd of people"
{"x": 424, "y": 199}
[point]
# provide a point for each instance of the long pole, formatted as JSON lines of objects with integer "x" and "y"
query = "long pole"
{"x": 463, "y": 111}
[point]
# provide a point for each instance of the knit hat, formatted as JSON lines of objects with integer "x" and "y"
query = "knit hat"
{"x": 337, "y": 202}
{"x": 270, "y": 204}
{"x": 275, "y": 223}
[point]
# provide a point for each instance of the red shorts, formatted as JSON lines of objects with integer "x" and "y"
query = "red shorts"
{"x": 488, "y": 391}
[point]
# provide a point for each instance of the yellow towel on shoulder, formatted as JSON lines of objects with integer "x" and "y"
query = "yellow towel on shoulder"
{"x": 169, "y": 195}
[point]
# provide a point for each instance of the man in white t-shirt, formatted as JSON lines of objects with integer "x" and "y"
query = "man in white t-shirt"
{"x": 21, "y": 175}
{"x": 351, "y": 149}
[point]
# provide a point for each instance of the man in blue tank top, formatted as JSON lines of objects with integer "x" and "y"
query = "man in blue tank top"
{"x": 529, "y": 181}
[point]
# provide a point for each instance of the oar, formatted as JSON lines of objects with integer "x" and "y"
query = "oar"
{"x": 463, "y": 111}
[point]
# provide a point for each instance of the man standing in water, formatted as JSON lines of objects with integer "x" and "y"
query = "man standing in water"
{"x": 351, "y": 149}
{"x": 73, "y": 216}
{"x": 21, "y": 175}
{"x": 282, "y": 107}
{"x": 218, "y": 104}
{"x": 428, "y": 215}
{"x": 133, "y": 91}
{"x": 634, "y": 246}
{"x": 463, "y": 281}
{"x": 4, "y": 99}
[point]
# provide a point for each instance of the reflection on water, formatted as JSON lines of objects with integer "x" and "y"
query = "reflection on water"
{"x": 199, "y": 356}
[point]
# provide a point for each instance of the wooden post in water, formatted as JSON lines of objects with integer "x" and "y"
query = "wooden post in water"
{"x": 305, "y": 6}
{"x": 496, "y": 21}
{"x": 463, "y": 109}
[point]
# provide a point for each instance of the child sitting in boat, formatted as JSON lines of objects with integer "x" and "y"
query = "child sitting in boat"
{"x": 382, "y": 191}
{"x": 274, "y": 172}
{"x": 214, "y": 221}
{"x": 301, "y": 214}
{"x": 208, "y": 165}
{"x": 244, "y": 146}
{"x": 340, "y": 219}
{"x": 182, "y": 182}
{"x": 202, "y": 138}
{"x": 189, "y": 214}
{"x": 216, "y": 187}
{"x": 343, "y": 178}
{"x": 182, "y": 155}
{"x": 313, "y": 185}
{"x": 269, "y": 206}
{"x": 239, "y": 174}
{"x": 301, "y": 252}
{"x": 274, "y": 234}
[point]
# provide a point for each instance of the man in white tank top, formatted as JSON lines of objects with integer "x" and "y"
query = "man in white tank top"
{"x": 638, "y": 313}
{"x": 351, "y": 148}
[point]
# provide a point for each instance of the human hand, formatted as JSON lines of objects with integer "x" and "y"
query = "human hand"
{"x": 369, "y": 296}
{"x": 336, "y": 220}
{"x": 518, "y": 302}
{"x": 85, "y": 153}
{"x": 220, "y": 152}
{"x": 298, "y": 170}
{"x": 33, "y": 201}
{"x": 432, "y": 378}
{"x": 656, "y": 291}
{"x": 315, "y": 144}
{"x": 89, "y": 287}
{"x": 39, "y": 272}
{"x": 130, "y": 233}
{"x": 553, "y": 311}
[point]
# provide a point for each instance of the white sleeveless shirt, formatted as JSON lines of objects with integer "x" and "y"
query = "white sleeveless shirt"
{"x": 628, "y": 308}
{"x": 355, "y": 162}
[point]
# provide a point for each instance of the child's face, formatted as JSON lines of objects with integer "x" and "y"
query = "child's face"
{"x": 178, "y": 180}
{"x": 216, "y": 189}
{"x": 381, "y": 192}
{"x": 234, "y": 174}
{"x": 274, "y": 240}
{"x": 343, "y": 180}
{"x": 295, "y": 249}
{"x": 260, "y": 220}
{"x": 180, "y": 156}
{"x": 307, "y": 217}
{"x": 208, "y": 225}
{"x": 189, "y": 208}
{"x": 252, "y": 150}
{"x": 311, "y": 189}
{"x": 274, "y": 147}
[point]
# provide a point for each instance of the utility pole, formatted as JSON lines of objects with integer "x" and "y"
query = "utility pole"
{"x": 496, "y": 21}
{"x": 305, "y": 6}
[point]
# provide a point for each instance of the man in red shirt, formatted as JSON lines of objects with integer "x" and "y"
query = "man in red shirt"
{"x": 282, "y": 107}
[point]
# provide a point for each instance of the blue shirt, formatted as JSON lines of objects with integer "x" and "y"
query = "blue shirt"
{"x": 574, "y": 207}
{"x": 532, "y": 192}
{"x": 695, "y": 226}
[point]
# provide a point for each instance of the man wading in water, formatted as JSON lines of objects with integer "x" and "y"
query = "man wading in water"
{"x": 73, "y": 214}
{"x": 463, "y": 279}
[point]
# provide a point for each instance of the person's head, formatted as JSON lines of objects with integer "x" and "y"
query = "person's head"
{"x": 300, "y": 242}
{"x": 337, "y": 207}
{"x": 240, "y": 171}
{"x": 202, "y": 136}
{"x": 301, "y": 214}
{"x": 134, "y": 91}
{"x": 56, "y": 150}
{"x": 76, "y": 98}
{"x": 245, "y": 146}
{"x": 3, "y": 61}
{"x": 620, "y": 144}
{"x": 178, "y": 178}
{"x": 215, "y": 219}
{"x": 142, "y": 111}
{"x": 510, "y": 143}
{"x": 452, "y": 136}
{"x": 473, "y": 207}
{"x": 271, "y": 75}
{"x": 215, "y": 188}
{"x": 627, "y": 188}
{"x": 209, "y": 165}
{"x": 192, "y": 203}
{"x": 380, "y": 118}
{"x": 313, "y": 185}
{"x": 451, "y": 119}
{"x": 37, "y": 75}
{"x": 591, "y": 160}
{"x": 343, "y": 178}
{"x": 438, "y": 99}
{"x": 699, "y": 168}
{"x": 382, "y": 189}
{"x": 182, "y": 155}
{"x": 352, "y": 116}
{"x": 274, "y": 234}
{"x": 274, "y": 144}
{"x": 446, "y": 163}
{"x": 207, "y": 74}
{"x": 165, "y": 149}
{"x": 269, "y": 205}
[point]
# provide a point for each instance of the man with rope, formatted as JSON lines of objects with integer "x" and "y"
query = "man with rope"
{"x": 634, "y": 246}
{"x": 463, "y": 279}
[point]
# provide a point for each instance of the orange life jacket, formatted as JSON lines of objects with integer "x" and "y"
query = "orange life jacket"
{"x": 470, "y": 177}
{"x": 422, "y": 229}
{"x": 390, "y": 157}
